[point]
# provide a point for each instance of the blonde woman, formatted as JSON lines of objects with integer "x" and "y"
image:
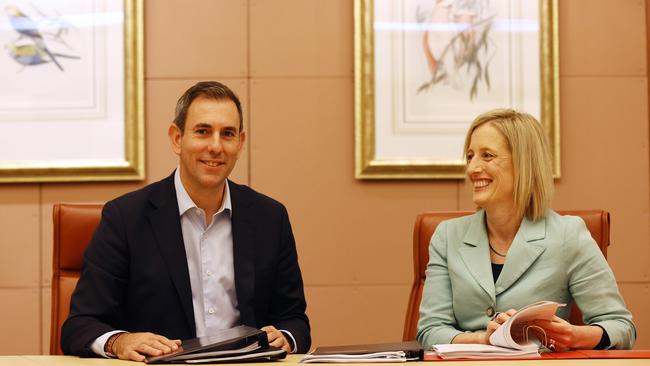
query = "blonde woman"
{"x": 514, "y": 250}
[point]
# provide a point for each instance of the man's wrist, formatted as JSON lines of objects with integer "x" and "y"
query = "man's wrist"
{"x": 108, "y": 347}
{"x": 292, "y": 342}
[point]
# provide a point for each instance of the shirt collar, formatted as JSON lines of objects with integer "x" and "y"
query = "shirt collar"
{"x": 185, "y": 202}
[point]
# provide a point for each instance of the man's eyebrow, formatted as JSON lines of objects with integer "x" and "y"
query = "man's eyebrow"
{"x": 202, "y": 125}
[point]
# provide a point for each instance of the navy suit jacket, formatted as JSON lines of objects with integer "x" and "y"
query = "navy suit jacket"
{"x": 135, "y": 277}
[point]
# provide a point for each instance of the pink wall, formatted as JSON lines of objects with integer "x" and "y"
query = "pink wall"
{"x": 291, "y": 61}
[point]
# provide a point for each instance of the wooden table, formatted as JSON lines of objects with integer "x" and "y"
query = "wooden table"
{"x": 292, "y": 360}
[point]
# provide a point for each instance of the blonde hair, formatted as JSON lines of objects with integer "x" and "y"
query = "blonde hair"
{"x": 531, "y": 158}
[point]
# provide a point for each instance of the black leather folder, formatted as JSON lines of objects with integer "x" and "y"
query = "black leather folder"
{"x": 241, "y": 342}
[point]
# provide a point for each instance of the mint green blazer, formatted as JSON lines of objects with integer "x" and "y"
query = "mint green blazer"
{"x": 554, "y": 258}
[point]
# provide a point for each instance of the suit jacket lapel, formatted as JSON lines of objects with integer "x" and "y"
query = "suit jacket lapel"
{"x": 474, "y": 252}
{"x": 522, "y": 253}
{"x": 166, "y": 226}
{"x": 243, "y": 234}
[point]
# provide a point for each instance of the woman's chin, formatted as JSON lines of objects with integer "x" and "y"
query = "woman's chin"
{"x": 479, "y": 201}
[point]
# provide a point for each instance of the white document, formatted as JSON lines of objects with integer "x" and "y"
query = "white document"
{"x": 390, "y": 356}
{"x": 514, "y": 332}
{"x": 513, "y": 339}
{"x": 364, "y": 353}
{"x": 456, "y": 351}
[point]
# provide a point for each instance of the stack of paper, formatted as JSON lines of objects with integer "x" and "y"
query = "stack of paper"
{"x": 397, "y": 356}
{"x": 516, "y": 338}
{"x": 385, "y": 352}
{"x": 456, "y": 351}
{"x": 514, "y": 332}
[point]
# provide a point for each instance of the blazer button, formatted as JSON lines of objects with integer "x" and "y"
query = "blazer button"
{"x": 489, "y": 312}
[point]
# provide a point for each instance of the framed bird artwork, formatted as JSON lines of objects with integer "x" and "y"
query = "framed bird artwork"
{"x": 424, "y": 69}
{"x": 71, "y": 101}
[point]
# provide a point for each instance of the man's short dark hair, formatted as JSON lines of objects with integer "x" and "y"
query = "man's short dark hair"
{"x": 210, "y": 89}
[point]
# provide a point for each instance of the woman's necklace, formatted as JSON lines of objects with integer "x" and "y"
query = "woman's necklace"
{"x": 495, "y": 252}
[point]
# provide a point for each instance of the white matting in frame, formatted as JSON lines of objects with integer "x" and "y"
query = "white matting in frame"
{"x": 71, "y": 106}
{"x": 426, "y": 68}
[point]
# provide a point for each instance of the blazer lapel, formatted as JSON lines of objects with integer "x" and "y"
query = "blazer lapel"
{"x": 166, "y": 226}
{"x": 474, "y": 252}
{"x": 243, "y": 234}
{"x": 522, "y": 254}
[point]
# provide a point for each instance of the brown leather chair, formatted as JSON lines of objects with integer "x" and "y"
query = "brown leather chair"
{"x": 74, "y": 225}
{"x": 425, "y": 224}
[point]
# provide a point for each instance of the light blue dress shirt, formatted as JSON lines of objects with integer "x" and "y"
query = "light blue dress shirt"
{"x": 210, "y": 262}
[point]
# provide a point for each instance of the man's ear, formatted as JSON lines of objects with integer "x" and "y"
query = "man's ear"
{"x": 175, "y": 137}
{"x": 242, "y": 142}
{"x": 242, "y": 138}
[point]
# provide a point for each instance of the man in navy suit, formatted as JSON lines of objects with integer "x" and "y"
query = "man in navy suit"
{"x": 191, "y": 254}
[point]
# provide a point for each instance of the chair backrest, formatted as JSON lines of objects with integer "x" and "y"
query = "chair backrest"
{"x": 597, "y": 222}
{"x": 74, "y": 225}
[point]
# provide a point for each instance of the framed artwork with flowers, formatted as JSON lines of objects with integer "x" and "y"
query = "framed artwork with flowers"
{"x": 424, "y": 69}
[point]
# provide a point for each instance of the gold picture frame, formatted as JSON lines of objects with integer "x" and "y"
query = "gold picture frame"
{"x": 105, "y": 142}
{"x": 369, "y": 164}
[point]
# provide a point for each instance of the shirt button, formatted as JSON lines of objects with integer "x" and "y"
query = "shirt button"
{"x": 211, "y": 310}
{"x": 208, "y": 272}
{"x": 489, "y": 311}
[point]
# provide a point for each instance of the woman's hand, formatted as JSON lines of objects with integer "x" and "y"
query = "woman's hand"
{"x": 560, "y": 334}
{"x": 484, "y": 337}
{"x": 496, "y": 323}
{"x": 564, "y": 335}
